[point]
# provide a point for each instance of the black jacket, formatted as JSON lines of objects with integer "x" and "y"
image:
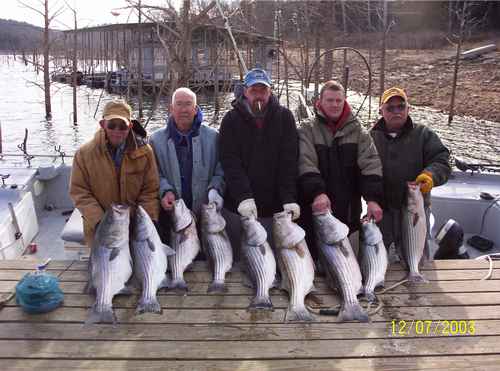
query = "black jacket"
{"x": 404, "y": 157}
{"x": 259, "y": 163}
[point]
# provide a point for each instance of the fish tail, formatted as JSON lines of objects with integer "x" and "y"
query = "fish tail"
{"x": 106, "y": 315}
{"x": 178, "y": 285}
{"x": 148, "y": 305}
{"x": 216, "y": 286}
{"x": 370, "y": 296}
{"x": 261, "y": 302}
{"x": 353, "y": 312}
{"x": 416, "y": 277}
{"x": 298, "y": 315}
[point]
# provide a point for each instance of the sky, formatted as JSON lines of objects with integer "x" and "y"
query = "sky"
{"x": 89, "y": 12}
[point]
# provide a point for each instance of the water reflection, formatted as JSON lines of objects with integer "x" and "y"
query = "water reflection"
{"x": 22, "y": 106}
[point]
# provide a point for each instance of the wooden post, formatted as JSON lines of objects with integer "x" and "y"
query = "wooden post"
{"x": 75, "y": 70}
{"x": 457, "y": 63}
{"x": 46, "y": 50}
{"x": 383, "y": 48}
{"x": 139, "y": 64}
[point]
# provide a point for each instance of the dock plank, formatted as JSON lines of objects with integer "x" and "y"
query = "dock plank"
{"x": 239, "y": 289}
{"x": 252, "y": 350}
{"x": 219, "y": 315}
{"x": 432, "y": 363}
{"x": 220, "y": 331}
{"x": 30, "y": 264}
{"x": 280, "y": 300}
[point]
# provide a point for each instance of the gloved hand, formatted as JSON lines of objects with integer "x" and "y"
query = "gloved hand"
{"x": 292, "y": 208}
{"x": 215, "y": 197}
{"x": 425, "y": 181}
{"x": 248, "y": 208}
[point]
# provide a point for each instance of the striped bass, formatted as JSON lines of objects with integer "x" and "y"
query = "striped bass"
{"x": 259, "y": 262}
{"x": 150, "y": 261}
{"x": 373, "y": 258}
{"x": 296, "y": 265}
{"x": 185, "y": 242}
{"x": 110, "y": 263}
{"x": 216, "y": 245}
{"x": 414, "y": 232}
{"x": 340, "y": 264}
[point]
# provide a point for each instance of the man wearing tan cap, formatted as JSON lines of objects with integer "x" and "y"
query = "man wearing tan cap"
{"x": 409, "y": 152}
{"x": 116, "y": 166}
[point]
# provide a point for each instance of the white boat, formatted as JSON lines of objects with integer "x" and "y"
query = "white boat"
{"x": 43, "y": 213}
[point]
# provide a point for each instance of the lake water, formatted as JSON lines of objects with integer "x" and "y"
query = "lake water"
{"x": 22, "y": 106}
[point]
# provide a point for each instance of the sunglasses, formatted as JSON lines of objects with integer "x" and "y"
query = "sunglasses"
{"x": 117, "y": 125}
{"x": 396, "y": 108}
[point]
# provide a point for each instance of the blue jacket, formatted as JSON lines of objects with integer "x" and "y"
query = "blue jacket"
{"x": 206, "y": 170}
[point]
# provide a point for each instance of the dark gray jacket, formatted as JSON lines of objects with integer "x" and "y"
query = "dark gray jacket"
{"x": 404, "y": 157}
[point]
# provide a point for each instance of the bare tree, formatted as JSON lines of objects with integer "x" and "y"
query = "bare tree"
{"x": 48, "y": 15}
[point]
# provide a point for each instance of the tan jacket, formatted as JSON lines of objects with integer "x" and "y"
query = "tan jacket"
{"x": 96, "y": 184}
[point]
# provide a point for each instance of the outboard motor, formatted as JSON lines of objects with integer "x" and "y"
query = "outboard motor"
{"x": 450, "y": 238}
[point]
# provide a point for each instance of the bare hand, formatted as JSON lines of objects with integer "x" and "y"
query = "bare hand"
{"x": 321, "y": 203}
{"x": 168, "y": 201}
{"x": 374, "y": 211}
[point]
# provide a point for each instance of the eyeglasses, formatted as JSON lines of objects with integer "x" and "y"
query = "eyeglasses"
{"x": 117, "y": 125}
{"x": 396, "y": 108}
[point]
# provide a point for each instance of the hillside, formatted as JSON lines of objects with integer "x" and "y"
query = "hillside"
{"x": 19, "y": 36}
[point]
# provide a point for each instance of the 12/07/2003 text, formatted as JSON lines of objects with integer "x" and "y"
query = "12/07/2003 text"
{"x": 402, "y": 328}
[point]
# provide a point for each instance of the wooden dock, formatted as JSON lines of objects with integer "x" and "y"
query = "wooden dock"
{"x": 201, "y": 331}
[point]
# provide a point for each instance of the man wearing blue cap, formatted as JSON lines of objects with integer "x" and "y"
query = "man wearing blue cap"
{"x": 259, "y": 152}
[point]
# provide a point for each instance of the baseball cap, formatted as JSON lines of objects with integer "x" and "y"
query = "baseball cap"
{"x": 257, "y": 76}
{"x": 393, "y": 92}
{"x": 117, "y": 109}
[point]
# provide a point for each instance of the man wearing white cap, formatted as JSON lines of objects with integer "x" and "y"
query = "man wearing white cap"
{"x": 116, "y": 166}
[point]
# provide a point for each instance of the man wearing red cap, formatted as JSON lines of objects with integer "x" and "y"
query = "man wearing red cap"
{"x": 338, "y": 162}
{"x": 409, "y": 152}
{"x": 116, "y": 166}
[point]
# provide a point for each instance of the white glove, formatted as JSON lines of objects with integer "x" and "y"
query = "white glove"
{"x": 215, "y": 197}
{"x": 248, "y": 208}
{"x": 293, "y": 209}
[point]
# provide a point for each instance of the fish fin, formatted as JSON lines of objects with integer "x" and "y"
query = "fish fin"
{"x": 179, "y": 286}
{"x": 298, "y": 315}
{"x": 150, "y": 305}
{"x": 89, "y": 288}
{"x": 300, "y": 250}
{"x": 416, "y": 277}
{"x": 343, "y": 248}
{"x": 114, "y": 253}
{"x": 151, "y": 245}
{"x": 183, "y": 236}
{"x": 216, "y": 287}
{"x": 168, "y": 250}
{"x": 126, "y": 290}
{"x": 415, "y": 219}
{"x": 352, "y": 312}
{"x": 370, "y": 297}
{"x": 247, "y": 281}
{"x": 260, "y": 303}
{"x": 106, "y": 316}
{"x": 262, "y": 249}
{"x": 164, "y": 283}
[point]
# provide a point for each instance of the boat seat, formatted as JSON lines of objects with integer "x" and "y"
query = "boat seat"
{"x": 73, "y": 230}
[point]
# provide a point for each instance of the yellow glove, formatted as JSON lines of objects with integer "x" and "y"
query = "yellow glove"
{"x": 425, "y": 181}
